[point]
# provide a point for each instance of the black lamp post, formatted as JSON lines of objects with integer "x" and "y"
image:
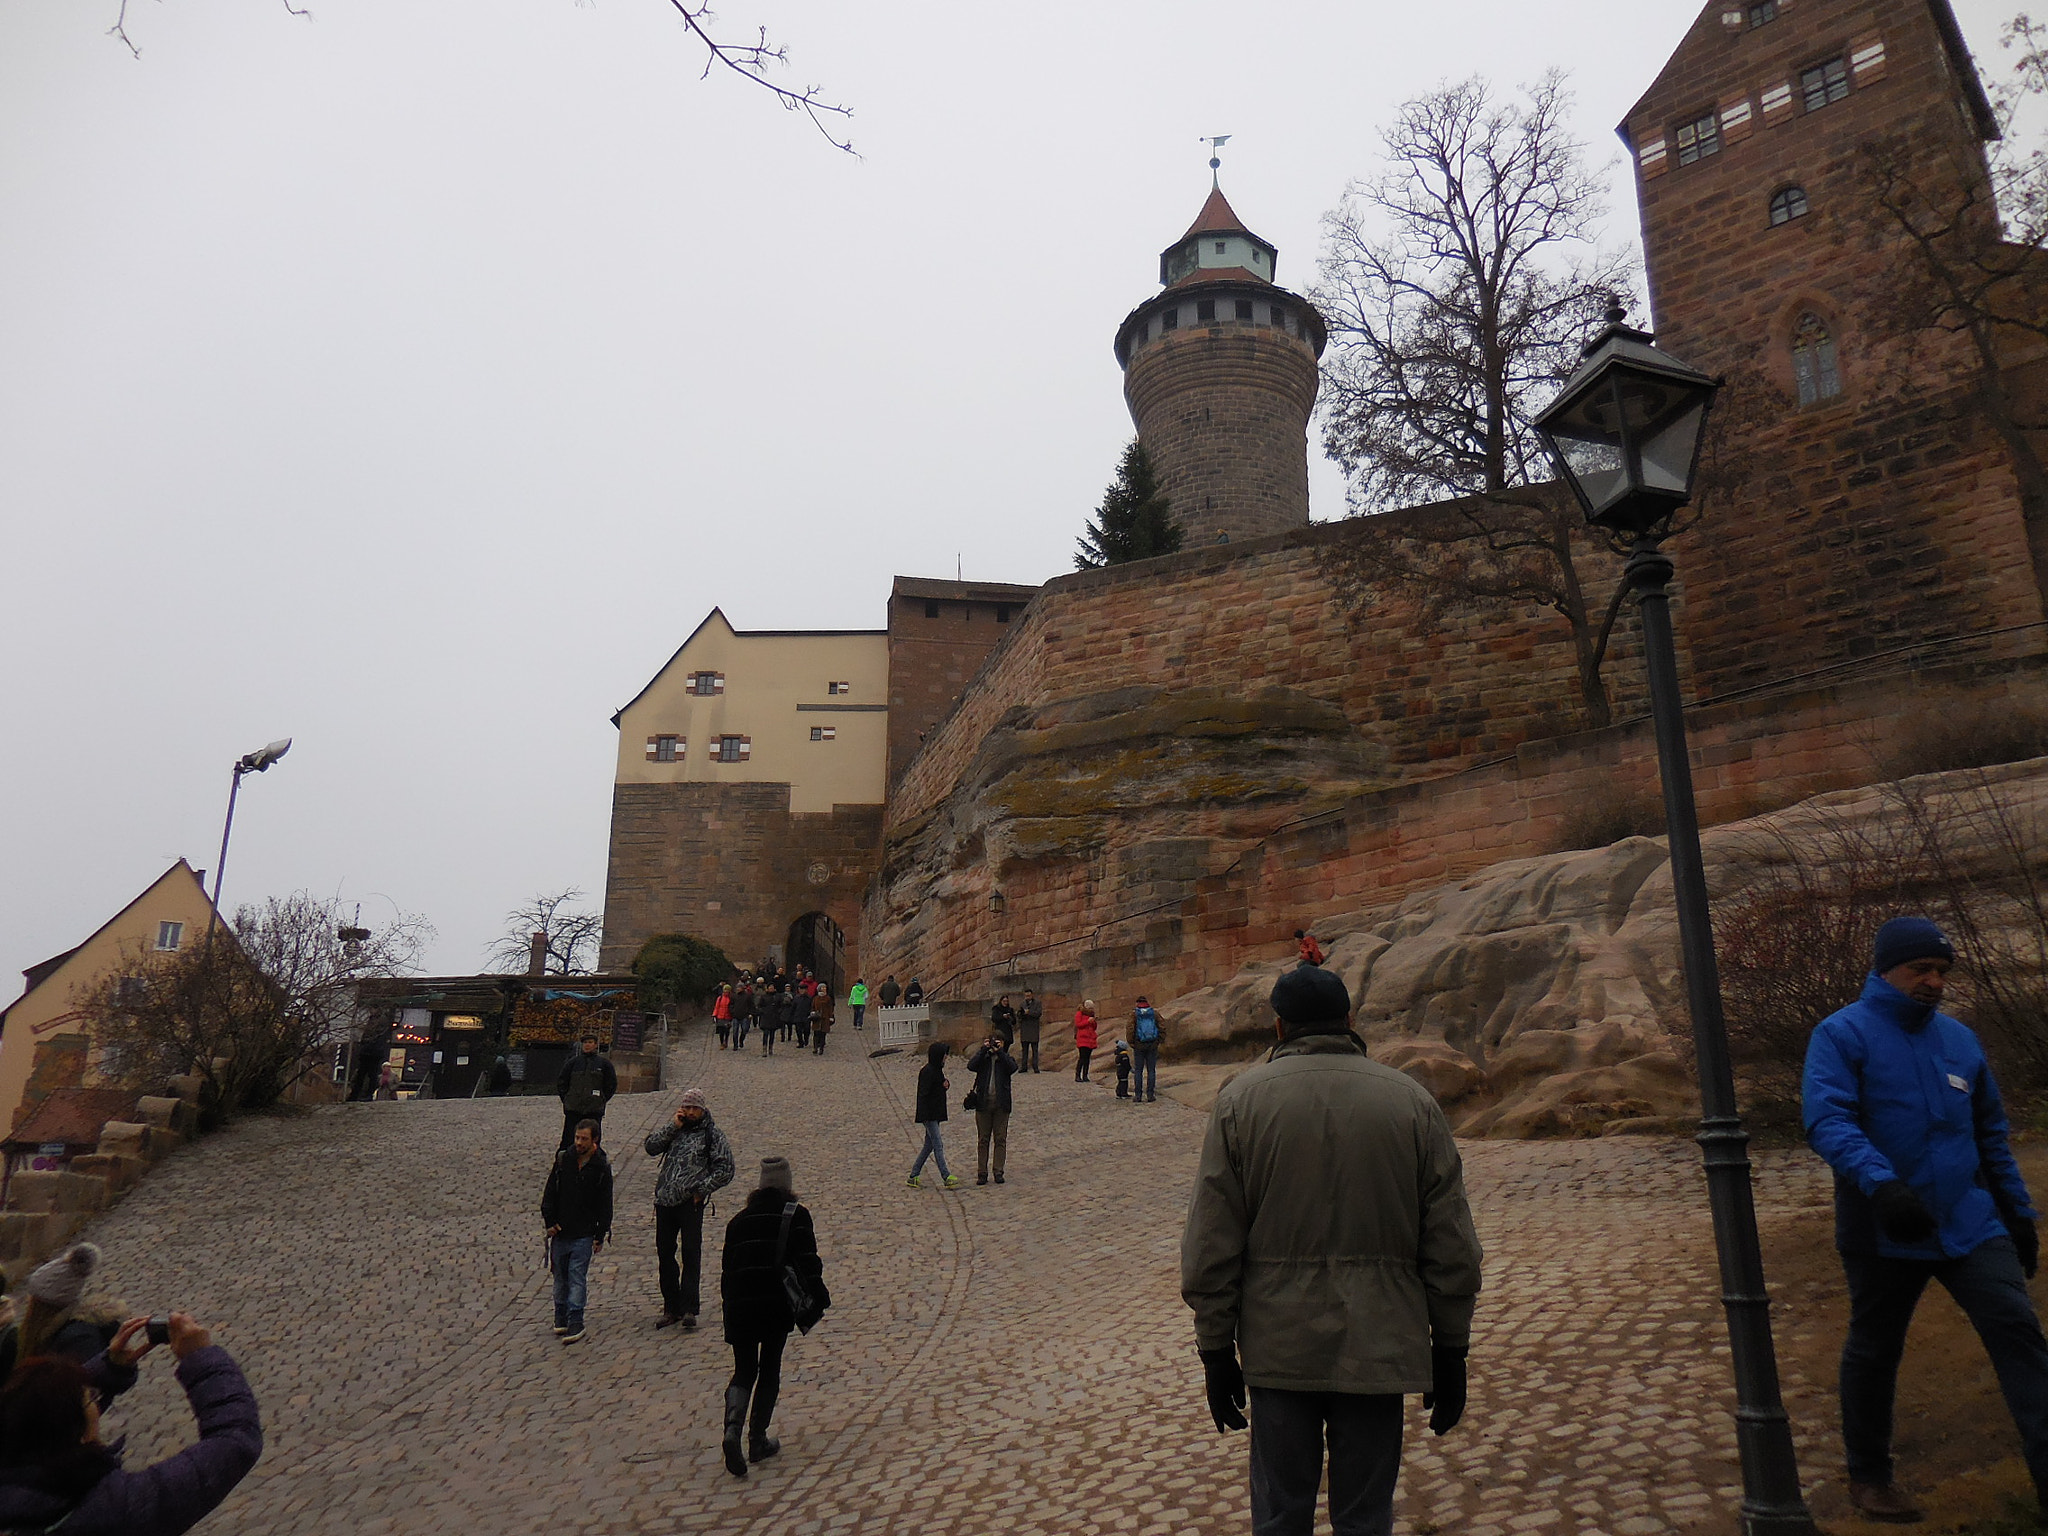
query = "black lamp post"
{"x": 258, "y": 761}
{"x": 1626, "y": 432}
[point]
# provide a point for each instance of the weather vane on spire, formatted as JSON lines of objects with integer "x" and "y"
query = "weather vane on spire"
{"x": 1216, "y": 143}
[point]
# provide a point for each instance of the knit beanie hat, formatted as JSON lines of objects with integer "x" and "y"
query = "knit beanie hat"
{"x": 1910, "y": 938}
{"x": 1311, "y": 1000}
{"x": 775, "y": 1174}
{"x": 61, "y": 1282}
{"x": 693, "y": 1098}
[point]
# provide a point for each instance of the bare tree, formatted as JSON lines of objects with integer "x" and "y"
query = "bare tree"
{"x": 252, "y": 1010}
{"x": 1458, "y": 287}
{"x": 749, "y": 60}
{"x": 1968, "y": 232}
{"x": 569, "y": 937}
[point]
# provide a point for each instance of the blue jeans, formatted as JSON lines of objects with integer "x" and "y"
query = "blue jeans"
{"x": 1288, "y": 1431}
{"x": 859, "y": 1012}
{"x": 569, "y": 1258}
{"x": 1988, "y": 1285}
{"x": 1145, "y": 1071}
{"x": 933, "y": 1148}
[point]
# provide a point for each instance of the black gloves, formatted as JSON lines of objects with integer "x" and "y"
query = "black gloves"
{"x": 1445, "y": 1398}
{"x": 1902, "y": 1215}
{"x": 1224, "y": 1382}
{"x": 2027, "y": 1241}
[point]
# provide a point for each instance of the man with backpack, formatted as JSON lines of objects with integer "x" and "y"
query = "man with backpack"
{"x": 1145, "y": 1048}
{"x": 585, "y": 1086}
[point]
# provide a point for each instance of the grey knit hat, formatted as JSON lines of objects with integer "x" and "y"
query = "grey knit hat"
{"x": 693, "y": 1098}
{"x": 775, "y": 1174}
{"x": 61, "y": 1282}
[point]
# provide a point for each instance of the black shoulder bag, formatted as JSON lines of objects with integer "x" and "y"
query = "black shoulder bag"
{"x": 803, "y": 1306}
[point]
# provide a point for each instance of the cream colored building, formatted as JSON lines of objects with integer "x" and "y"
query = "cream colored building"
{"x": 806, "y": 708}
{"x": 171, "y": 915}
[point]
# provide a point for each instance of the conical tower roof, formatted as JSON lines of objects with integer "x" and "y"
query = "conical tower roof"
{"x": 1217, "y": 246}
{"x": 1217, "y": 217}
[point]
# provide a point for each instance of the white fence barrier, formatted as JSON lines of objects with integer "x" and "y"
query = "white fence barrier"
{"x": 903, "y": 1026}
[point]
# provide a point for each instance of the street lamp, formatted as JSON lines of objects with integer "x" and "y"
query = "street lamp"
{"x": 1625, "y": 432}
{"x": 258, "y": 761}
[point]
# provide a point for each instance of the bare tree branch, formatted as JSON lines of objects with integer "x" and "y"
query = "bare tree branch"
{"x": 570, "y": 937}
{"x": 749, "y": 59}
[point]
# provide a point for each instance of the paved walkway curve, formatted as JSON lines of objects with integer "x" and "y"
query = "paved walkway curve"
{"x": 1012, "y": 1359}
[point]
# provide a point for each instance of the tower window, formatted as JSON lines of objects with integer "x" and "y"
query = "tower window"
{"x": 1169, "y": 319}
{"x": 663, "y": 749}
{"x": 1787, "y": 204}
{"x": 1698, "y": 139}
{"x": 1205, "y": 309}
{"x": 169, "y": 936}
{"x": 838, "y": 688}
{"x": 1815, "y": 368}
{"x": 732, "y": 749}
{"x": 824, "y": 733}
{"x": 1002, "y": 613}
{"x": 1765, "y": 11}
{"x": 1280, "y": 317}
{"x": 1244, "y": 309}
{"x": 1219, "y": 247}
{"x": 705, "y": 684}
{"x": 1824, "y": 83}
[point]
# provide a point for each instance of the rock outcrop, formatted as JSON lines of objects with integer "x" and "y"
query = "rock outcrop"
{"x": 1542, "y": 996}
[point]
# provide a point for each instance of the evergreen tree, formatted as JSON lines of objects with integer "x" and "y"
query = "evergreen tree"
{"x": 1133, "y": 522}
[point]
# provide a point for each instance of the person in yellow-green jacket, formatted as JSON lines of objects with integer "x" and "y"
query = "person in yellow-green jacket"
{"x": 857, "y": 1000}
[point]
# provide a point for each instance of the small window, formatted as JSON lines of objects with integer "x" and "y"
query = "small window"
{"x": 1280, "y": 317}
{"x": 931, "y": 610}
{"x": 1766, "y": 10}
{"x": 1002, "y": 613}
{"x": 824, "y": 733}
{"x": 1788, "y": 204}
{"x": 732, "y": 749}
{"x": 665, "y": 749}
{"x": 1205, "y": 309}
{"x": 1244, "y": 310}
{"x": 705, "y": 684}
{"x": 1169, "y": 319}
{"x": 838, "y": 688}
{"x": 1698, "y": 139}
{"x": 1257, "y": 254}
{"x": 169, "y": 936}
{"x": 1824, "y": 83}
{"x": 1815, "y": 368}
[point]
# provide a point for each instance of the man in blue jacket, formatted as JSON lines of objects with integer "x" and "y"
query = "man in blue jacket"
{"x": 1901, "y": 1102}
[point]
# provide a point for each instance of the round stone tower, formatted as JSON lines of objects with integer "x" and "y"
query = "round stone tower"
{"x": 1220, "y": 374}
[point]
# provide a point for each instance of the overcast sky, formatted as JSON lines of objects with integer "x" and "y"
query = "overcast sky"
{"x": 410, "y": 380}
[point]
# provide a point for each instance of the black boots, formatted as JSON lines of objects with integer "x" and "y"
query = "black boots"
{"x": 735, "y": 1425}
{"x": 759, "y": 1446}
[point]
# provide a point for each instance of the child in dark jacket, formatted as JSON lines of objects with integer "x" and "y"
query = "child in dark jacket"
{"x": 931, "y": 1113}
{"x": 1123, "y": 1070}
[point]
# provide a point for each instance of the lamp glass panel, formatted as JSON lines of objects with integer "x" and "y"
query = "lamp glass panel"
{"x": 1596, "y": 463}
{"x": 1669, "y": 449}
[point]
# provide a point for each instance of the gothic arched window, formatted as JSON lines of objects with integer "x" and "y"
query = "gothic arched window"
{"x": 1787, "y": 204}
{"x": 1814, "y": 366}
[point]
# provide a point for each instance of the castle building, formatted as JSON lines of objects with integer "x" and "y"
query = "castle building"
{"x": 753, "y": 768}
{"x": 1885, "y": 513}
{"x": 1220, "y": 372}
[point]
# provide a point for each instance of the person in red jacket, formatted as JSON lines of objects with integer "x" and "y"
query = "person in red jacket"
{"x": 1084, "y": 1038}
{"x": 1311, "y": 951}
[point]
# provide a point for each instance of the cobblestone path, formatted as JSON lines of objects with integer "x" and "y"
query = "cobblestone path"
{"x": 1011, "y": 1359}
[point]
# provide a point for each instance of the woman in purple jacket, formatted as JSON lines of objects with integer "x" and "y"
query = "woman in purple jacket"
{"x": 54, "y": 1468}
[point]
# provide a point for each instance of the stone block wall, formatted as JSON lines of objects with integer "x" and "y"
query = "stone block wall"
{"x": 733, "y": 864}
{"x": 1887, "y": 515}
{"x": 940, "y": 632}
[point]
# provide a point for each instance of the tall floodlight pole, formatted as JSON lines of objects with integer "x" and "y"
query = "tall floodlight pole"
{"x": 258, "y": 761}
{"x": 1625, "y": 432}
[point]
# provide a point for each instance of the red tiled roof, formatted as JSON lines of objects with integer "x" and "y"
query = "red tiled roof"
{"x": 1216, "y": 216}
{"x": 74, "y": 1116}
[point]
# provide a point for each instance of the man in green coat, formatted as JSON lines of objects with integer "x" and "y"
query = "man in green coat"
{"x": 1329, "y": 1241}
